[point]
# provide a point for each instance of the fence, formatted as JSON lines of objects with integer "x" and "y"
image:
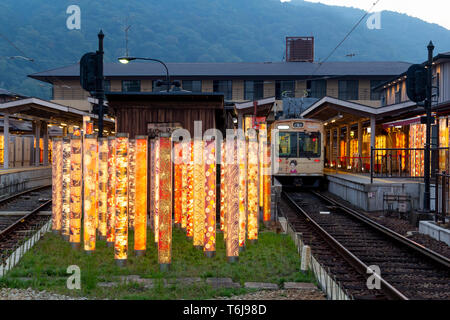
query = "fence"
{"x": 441, "y": 195}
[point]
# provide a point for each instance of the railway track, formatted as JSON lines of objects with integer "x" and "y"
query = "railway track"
{"x": 21, "y": 216}
{"x": 347, "y": 243}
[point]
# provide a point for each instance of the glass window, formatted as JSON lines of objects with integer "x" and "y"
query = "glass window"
{"x": 131, "y": 85}
{"x": 348, "y": 89}
{"x": 398, "y": 96}
{"x": 284, "y": 88}
{"x": 107, "y": 85}
{"x": 253, "y": 89}
{"x": 375, "y": 95}
{"x": 288, "y": 145}
{"x": 192, "y": 85}
{"x": 225, "y": 87}
{"x": 309, "y": 144}
{"x": 318, "y": 89}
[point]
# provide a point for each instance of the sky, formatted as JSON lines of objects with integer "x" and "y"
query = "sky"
{"x": 422, "y": 9}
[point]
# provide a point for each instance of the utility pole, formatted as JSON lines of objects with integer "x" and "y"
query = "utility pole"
{"x": 426, "y": 199}
{"x": 100, "y": 92}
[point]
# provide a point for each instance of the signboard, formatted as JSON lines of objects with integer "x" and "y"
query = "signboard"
{"x": 154, "y": 129}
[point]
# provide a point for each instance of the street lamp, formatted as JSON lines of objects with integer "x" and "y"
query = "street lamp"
{"x": 125, "y": 60}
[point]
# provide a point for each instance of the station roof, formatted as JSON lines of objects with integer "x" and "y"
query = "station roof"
{"x": 249, "y": 70}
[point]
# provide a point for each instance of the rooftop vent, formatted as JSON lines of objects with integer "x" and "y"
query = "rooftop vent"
{"x": 300, "y": 49}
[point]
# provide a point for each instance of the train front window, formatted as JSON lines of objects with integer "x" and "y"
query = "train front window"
{"x": 309, "y": 144}
{"x": 288, "y": 145}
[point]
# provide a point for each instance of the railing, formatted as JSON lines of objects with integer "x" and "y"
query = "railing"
{"x": 441, "y": 202}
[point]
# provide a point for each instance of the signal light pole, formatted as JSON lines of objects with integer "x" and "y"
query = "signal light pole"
{"x": 100, "y": 92}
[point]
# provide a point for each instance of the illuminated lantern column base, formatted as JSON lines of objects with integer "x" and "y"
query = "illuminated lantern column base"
{"x": 140, "y": 219}
{"x": 232, "y": 199}
{"x": 75, "y": 192}
{"x": 210, "y": 199}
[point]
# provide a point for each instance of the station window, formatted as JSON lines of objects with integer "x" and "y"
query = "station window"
{"x": 131, "y": 85}
{"x": 317, "y": 88}
{"x": 348, "y": 89}
{"x": 225, "y": 87}
{"x": 284, "y": 88}
{"x": 107, "y": 85}
{"x": 288, "y": 145}
{"x": 192, "y": 85}
{"x": 253, "y": 89}
{"x": 375, "y": 95}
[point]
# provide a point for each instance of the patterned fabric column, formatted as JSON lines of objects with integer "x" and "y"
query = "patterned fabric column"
{"x": 152, "y": 181}
{"x": 210, "y": 199}
{"x": 75, "y": 191}
{"x": 65, "y": 221}
{"x": 267, "y": 184}
{"x": 111, "y": 205}
{"x": 178, "y": 182}
{"x": 131, "y": 182}
{"x": 140, "y": 221}
{"x": 157, "y": 181}
{"x": 232, "y": 215}
{"x": 90, "y": 190}
{"x": 102, "y": 186}
{"x": 242, "y": 156}
{"x": 57, "y": 184}
{"x": 199, "y": 194}
{"x": 165, "y": 203}
{"x": 223, "y": 189}
{"x": 190, "y": 194}
{"x": 184, "y": 184}
{"x": 121, "y": 225}
{"x": 262, "y": 144}
{"x": 252, "y": 187}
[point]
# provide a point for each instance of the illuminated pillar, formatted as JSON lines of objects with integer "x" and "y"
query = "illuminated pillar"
{"x": 102, "y": 187}
{"x": 223, "y": 189}
{"x": 232, "y": 214}
{"x": 152, "y": 181}
{"x": 75, "y": 191}
{"x": 140, "y": 218}
{"x": 121, "y": 225}
{"x": 131, "y": 182}
{"x": 199, "y": 194}
{"x": 90, "y": 170}
{"x": 177, "y": 204}
{"x": 262, "y": 145}
{"x": 111, "y": 192}
{"x": 65, "y": 221}
{"x": 165, "y": 204}
{"x": 184, "y": 183}
{"x": 242, "y": 157}
{"x": 210, "y": 199}
{"x": 190, "y": 194}
{"x": 252, "y": 187}
{"x": 89, "y": 127}
{"x": 267, "y": 184}
{"x": 57, "y": 184}
{"x": 157, "y": 181}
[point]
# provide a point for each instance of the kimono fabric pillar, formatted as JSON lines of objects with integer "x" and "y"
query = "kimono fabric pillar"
{"x": 210, "y": 199}
{"x": 262, "y": 145}
{"x": 199, "y": 195}
{"x": 157, "y": 181}
{"x": 102, "y": 187}
{"x": 75, "y": 192}
{"x": 190, "y": 193}
{"x": 56, "y": 185}
{"x": 111, "y": 192}
{"x": 242, "y": 157}
{"x": 165, "y": 204}
{"x": 184, "y": 184}
{"x": 232, "y": 214}
{"x": 177, "y": 204}
{"x": 90, "y": 164}
{"x": 151, "y": 154}
{"x": 131, "y": 182}
{"x": 223, "y": 189}
{"x": 140, "y": 218}
{"x": 267, "y": 184}
{"x": 252, "y": 187}
{"x": 121, "y": 225}
{"x": 65, "y": 221}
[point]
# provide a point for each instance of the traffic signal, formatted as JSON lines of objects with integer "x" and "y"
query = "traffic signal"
{"x": 88, "y": 71}
{"x": 416, "y": 83}
{"x": 95, "y": 109}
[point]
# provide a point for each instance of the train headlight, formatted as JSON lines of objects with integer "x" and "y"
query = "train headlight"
{"x": 283, "y": 127}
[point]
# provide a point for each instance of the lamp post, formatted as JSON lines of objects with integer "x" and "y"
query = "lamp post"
{"x": 126, "y": 60}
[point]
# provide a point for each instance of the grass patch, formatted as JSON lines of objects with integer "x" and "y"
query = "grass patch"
{"x": 273, "y": 259}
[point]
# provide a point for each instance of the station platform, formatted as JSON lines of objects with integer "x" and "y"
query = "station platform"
{"x": 15, "y": 180}
{"x": 357, "y": 189}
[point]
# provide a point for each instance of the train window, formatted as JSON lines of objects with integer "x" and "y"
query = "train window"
{"x": 309, "y": 144}
{"x": 288, "y": 145}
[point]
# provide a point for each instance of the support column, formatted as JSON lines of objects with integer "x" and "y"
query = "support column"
{"x": 338, "y": 146}
{"x": 45, "y": 135}
{"x": 331, "y": 146}
{"x": 6, "y": 141}
{"x": 360, "y": 162}
{"x": 372, "y": 131}
{"x": 37, "y": 154}
{"x": 347, "y": 147}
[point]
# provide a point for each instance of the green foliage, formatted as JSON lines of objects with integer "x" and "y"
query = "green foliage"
{"x": 197, "y": 31}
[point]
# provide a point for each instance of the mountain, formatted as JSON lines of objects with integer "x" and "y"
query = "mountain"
{"x": 197, "y": 30}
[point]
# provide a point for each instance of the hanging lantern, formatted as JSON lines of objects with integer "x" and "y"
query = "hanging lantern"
{"x": 242, "y": 156}
{"x": 184, "y": 184}
{"x": 90, "y": 169}
{"x": 232, "y": 214}
{"x": 140, "y": 218}
{"x": 252, "y": 187}
{"x": 65, "y": 221}
{"x": 178, "y": 183}
{"x": 199, "y": 194}
{"x": 131, "y": 182}
{"x": 75, "y": 191}
{"x": 57, "y": 184}
{"x": 210, "y": 199}
{"x": 121, "y": 224}
{"x": 267, "y": 184}
{"x": 152, "y": 182}
{"x": 223, "y": 189}
{"x": 165, "y": 203}
{"x": 157, "y": 181}
{"x": 102, "y": 186}
{"x": 111, "y": 192}
{"x": 190, "y": 193}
